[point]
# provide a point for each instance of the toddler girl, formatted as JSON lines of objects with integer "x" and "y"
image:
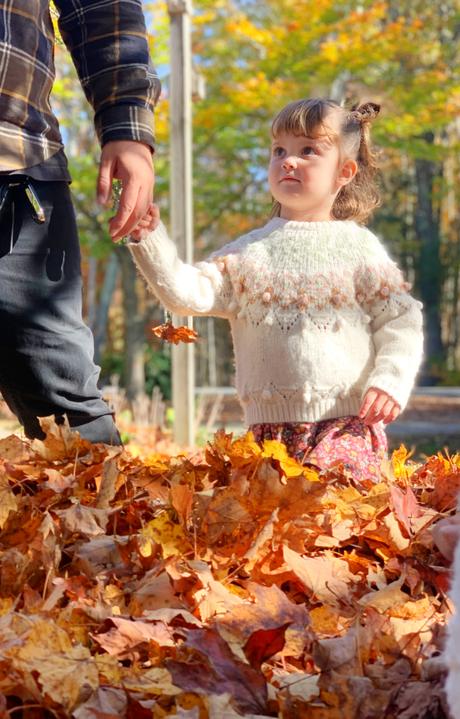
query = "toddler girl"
{"x": 327, "y": 339}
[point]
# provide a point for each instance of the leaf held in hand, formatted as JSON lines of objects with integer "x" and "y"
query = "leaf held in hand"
{"x": 169, "y": 333}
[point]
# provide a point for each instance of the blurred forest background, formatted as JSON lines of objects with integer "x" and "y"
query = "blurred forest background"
{"x": 253, "y": 58}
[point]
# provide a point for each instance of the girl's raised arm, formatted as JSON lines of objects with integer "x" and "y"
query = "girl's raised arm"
{"x": 201, "y": 289}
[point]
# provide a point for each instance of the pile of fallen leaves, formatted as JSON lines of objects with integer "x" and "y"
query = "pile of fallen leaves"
{"x": 235, "y": 584}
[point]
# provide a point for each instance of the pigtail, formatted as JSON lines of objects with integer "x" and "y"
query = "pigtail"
{"x": 361, "y": 196}
{"x": 365, "y": 114}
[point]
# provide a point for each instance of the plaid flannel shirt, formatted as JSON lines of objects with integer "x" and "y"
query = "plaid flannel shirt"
{"x": 108, "y": 43}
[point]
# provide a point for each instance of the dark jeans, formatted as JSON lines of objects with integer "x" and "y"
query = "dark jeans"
{"x": 46, "y": 351}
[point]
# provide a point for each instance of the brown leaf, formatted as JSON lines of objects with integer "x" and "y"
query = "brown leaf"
{"x": 327, "y": 577}
{"x": 212, "y": 598}
{"x": 14, "y": 449}
{"x": 215, "y": 670}
{"x": 385, "y": 598}
{"x": 8, "y": 501}
{"x": 110, "y": 474}
{"x": 66, "y": 673}
{"x": 124, "y": 638}
{"x": 269, "y": 609}
{"x": 60, "y": 443}
{"x": 182, "y": 501}
{"x": 420, "y": 700}
{"x": 105, "y": 703}
{"x": 153, "y": 592}
{"x": 88, "y": 521}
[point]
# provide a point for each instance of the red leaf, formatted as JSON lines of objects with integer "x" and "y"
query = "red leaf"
{"x": 405, "y": 506}
{"x": 264, "y": 643}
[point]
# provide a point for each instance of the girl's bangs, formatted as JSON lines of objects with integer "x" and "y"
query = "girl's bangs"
{"x": 306, "y": 118}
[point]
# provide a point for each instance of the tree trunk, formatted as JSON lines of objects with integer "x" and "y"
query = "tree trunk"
{"x": 134, "y": 364}
{"x": 430, "y": 268}
{"x": 105, "y": 299}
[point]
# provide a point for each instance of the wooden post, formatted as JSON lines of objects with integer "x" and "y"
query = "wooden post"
{"x": 183, "y": 356}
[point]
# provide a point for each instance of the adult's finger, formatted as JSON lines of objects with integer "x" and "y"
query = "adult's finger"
{"x": 126, "y": 216}
{"x": 144, "y": 201}
{"x": 104, "y": 180}
{"x": 139, "y": 211}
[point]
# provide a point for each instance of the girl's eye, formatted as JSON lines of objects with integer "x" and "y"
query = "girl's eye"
{"x": 277, "y": 151}
{"x": 308, "y": 150}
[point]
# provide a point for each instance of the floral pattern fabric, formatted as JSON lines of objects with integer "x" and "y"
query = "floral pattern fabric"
{"x": 325, "y": 444}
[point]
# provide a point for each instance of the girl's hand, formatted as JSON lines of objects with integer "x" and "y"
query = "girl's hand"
{"x": 147, "y": 223}
{"x": 378, "y": 405}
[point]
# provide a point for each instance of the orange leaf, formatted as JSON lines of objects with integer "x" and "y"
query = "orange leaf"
{"x": 169, "y": 333}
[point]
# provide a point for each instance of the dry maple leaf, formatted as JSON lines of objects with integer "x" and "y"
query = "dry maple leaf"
{"x": 334, "y": 591}
{"x": 169, "y": 333}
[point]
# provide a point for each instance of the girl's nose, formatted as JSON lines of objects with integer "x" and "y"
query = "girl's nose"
{"x": 289, "y": 163}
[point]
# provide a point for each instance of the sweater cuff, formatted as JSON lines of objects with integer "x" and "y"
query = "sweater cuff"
{"x": 125, "y": 122}
{"x": 155, "y": 249}
{"x": 392, "y": 387}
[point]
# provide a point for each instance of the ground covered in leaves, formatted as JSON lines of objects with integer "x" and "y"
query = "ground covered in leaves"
{"x": 232, "y": 583}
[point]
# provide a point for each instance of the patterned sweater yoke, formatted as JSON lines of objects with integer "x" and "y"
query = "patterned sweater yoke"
{"x": 319, "y": 313}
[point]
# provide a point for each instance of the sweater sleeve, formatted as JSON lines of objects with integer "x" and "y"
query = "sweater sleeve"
{"x": 204, "y": 288}
{"x": 396, "y": 323}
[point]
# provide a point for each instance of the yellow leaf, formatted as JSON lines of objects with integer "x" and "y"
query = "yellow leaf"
{"x": 324, "y": 620}
{"x": 163, "y": 531}
{"x": 399, "y": 461}
{"x": 65, "y": 672}
{"x": 385, "y": 598}
{"x": 157, "y": 681}
{"x": 277, "y": 450}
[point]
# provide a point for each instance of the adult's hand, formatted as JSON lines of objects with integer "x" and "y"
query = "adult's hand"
{"x": 130, "y": 162}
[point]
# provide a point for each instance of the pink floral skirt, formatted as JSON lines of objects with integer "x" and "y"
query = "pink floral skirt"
{"x": 344, "y": 440}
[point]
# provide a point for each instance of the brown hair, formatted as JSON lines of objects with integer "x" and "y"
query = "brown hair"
{"x": 358, "y": 199}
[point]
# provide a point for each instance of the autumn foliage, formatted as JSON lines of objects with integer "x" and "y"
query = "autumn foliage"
{"x": 231, "y": 583}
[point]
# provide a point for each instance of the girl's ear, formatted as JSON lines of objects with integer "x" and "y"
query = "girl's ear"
{"x": 347, "y": 172}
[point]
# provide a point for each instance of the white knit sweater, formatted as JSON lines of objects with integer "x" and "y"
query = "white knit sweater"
{"x": 318, "y": 311}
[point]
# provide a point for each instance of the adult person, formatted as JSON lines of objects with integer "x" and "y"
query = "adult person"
{"x": 46, "y": 356}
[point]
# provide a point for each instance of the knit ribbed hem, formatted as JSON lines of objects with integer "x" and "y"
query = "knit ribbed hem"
{"x": 257, "y": 412}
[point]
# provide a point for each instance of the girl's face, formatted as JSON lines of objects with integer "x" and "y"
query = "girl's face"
{"x": 305, "y": 175}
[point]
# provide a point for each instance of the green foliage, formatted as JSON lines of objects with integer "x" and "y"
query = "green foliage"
{"x": 158, "y": 371}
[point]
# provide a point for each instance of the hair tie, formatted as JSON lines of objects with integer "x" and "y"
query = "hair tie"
{"x": 366, "y": 112}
